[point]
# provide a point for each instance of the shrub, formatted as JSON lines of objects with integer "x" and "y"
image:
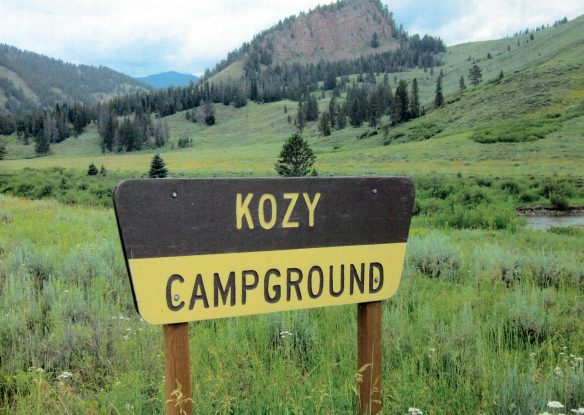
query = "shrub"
{"x": 435, "y": 257}
{"x": 528, "y": 196}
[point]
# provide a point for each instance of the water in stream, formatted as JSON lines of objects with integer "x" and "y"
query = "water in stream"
{"x": 545, "y": 222}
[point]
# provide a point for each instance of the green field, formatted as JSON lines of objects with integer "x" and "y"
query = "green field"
{"x": 484, "y": 321}
{"x": 489, "y": 318}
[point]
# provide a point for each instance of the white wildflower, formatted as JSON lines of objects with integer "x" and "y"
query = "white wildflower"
{"x": 545, "y": 413}
{"x": 532, "y": 354}
{"x": 579, "y": 411}
{"x": 415, "y": 411}
{"x": 285, "y": 333}
{"x": 555, "y": 405}
{"x": 39, "y": 370}
{"x": 558, "y": 372}
{"x": 65, "y": 375}
{"x": 126, "y": 337}
{"x": 432, "y": 349}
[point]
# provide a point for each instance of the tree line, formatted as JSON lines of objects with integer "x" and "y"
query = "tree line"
{"x": 50, "y": 79}
{"x": 364, "y": 102}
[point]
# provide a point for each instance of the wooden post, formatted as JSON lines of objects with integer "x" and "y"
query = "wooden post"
{"x": 369, "y": 357}
{"x": 176, "y": 369}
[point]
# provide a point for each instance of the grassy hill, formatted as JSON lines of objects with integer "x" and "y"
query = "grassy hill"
{"x": 542, "y": 90}
{"x": 29, "y": 81}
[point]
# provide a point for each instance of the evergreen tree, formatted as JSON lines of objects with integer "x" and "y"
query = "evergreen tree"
{"x": 209, "y": 113}
{"x": 475, "y": 75}
{"x": 42, "y": 144}
{"x": 415, "y": 100}
{"x": 375, "y": 41}
{"x": 296, "y": 158}
{"x": 330, "y": 80}
{"x": 439, "y": 98}
{"x": 300, "y": 116}
{"x": 2, "y": 151}
{"x": 157, "y": 168}
{"x": 461, "y": 84}
{"x": 333, "y": 110}
{"x": 324, "y": 125}
{"x": 341, "y": 121}
{"x": 92, "y": 170}
{"x": 401, "y": 102}
{"x": 373, "y": 111}
{"x": 311, "y": 108}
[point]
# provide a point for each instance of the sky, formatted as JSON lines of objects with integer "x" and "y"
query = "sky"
{"x": 142, "y": 37}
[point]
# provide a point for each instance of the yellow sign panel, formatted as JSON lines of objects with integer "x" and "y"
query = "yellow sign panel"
{"x": 201, "y": 287}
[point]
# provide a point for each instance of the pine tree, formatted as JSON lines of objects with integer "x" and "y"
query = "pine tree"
{"x": 333, "y": 110}
{"x": 311, "y": 108}
{"x": 461, "y": 84}
{"x": 375, "y": 41}
{"x": 415, "y": 100}
{"x": 401, "y": 102}
{"x": 341, "y": 122}
{"x": 42, "y": 144}
{"x": 296, "y": 158}
{"x": 209, "y": 113}
{"x": 439, "y": 98}
{"x": 157, "y": 168}
{"x": 2, "y": 151}
{"x": 324, "y": 125}
{"x": 92, "y": 170}
{"x": 300, "y": 116}
{"x": 475, "y": 75}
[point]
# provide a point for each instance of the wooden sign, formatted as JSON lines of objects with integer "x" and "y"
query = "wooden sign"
{"x": 201, "y": 249}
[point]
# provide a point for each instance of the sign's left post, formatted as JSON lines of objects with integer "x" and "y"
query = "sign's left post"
{"x": 176, "y": 369}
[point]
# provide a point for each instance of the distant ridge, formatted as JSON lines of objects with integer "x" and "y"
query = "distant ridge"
{"x": 29, "y": 81}
{"x": 167, "y": 79}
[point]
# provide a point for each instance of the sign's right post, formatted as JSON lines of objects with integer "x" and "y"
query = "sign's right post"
{"x": 369, "y": 357}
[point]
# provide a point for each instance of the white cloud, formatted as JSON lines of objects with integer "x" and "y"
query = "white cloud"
{"x": 475, "y": 20}
{"x": 180, "y": 32}
{"x": 145, "y": 36}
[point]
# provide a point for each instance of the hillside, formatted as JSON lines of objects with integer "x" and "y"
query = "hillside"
{"x": 541, "y": 91}
{"x": 343, "y": 30}
{"x": 167, "y": 79}
{"x": 29, "y": 81}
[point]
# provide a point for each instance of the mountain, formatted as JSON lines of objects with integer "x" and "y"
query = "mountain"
{"x": 167, "y": 79}
{"x": 29, "y": 81}
{"x": 346, "y": 29}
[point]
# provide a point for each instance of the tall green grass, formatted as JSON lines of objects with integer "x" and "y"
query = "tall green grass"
{"x": 484, "y": 321}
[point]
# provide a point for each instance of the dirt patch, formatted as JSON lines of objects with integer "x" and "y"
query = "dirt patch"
{"x": 550, "y": 211}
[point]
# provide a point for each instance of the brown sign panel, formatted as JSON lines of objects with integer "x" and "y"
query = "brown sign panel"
{"x": 210, "y": 248}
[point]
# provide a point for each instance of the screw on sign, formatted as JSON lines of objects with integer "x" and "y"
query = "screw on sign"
{"x": 200, "y": 249}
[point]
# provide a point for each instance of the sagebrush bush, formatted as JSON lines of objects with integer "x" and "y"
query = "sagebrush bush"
{"x": 434, "y": 256}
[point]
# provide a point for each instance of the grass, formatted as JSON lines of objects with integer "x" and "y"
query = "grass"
{"x": 492, "y": 346}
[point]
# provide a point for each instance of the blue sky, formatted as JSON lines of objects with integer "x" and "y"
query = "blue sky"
{"x": 147, "y": 36}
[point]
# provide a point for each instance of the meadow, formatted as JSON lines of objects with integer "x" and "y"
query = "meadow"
{"x": 485, "y": 321}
